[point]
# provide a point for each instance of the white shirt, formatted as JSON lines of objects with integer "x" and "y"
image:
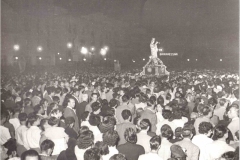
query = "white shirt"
{"x": 15, "y": 122}
{"x": 215, "y": 150}
{"x": 80, "y": 152}
{"x": 33, "y": 137}
{"x": 112, "y": 151}
{"x": 19, "y": 134}
{"x": 234, "y": 125}
{"x": 164, "y": 152}
{"x": 144, "y": 140}
{"x": 5, "y": 135}
{"x": 96, "y": 131}
{"x": 150, "y": 156}
{"x": 201, "y": 141}
{"x": 141, "y": 105}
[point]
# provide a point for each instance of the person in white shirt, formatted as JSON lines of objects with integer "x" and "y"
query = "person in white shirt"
{"x": 5, "y": 134}
{"x": 33, "y": 134}
{"x": 202, "y": 139}
{"x": 218, "y": 147}
{"x": 22, "y": 128}
{"x": 166, "y": 133}
{"x": 14, "y": 117}
{"x": 94, "y": 121}
{"x": 142, "y": 137}
{"x": 84, "y": 142}
{"x": 110, "y": 138}
{"x": 56, "y": 134}
{"x": 155, "y": 144}
{"x": 233, "y": 113}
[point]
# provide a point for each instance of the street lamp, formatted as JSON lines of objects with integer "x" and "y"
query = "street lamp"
{"x": 16, "y": 58}
{"x": 84, "y": 50}
{"x": 16, "y": 47}
{"x": 143, "y": 59}
{"x": 188, "y": 59}
{"x": 60, "y": 58}
{"x": 69, "y": 45}
{"x": 103, "y": 51}
{"x": 40, "y": 58}
{"x": 105, "y": 59}
{"x": 69, "y": 60}
{"x": 220, "y": 60}
{"x": 39, "y": 48}
{"x": 92, "y": 49}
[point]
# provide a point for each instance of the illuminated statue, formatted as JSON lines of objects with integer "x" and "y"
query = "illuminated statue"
{"x": 154, "y": 48}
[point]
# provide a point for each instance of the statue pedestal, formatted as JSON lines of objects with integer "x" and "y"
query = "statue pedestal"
{"x": 154, "y": 67}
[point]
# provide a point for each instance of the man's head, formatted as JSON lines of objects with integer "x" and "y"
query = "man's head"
{"x": 130, "y": 135}
{"x": 47, "y": 147}
{"x": 144, "y": 124}
{"x": 233, "y": 111}
{"x": 205, "y": 128}
{"x": 126, "y": 115}
{"x": 92, "y": 154}
{"x": 22, "y": 117}
{"x": 94, "y": 97}
{"x": 155, "y": 143}
{"x": 111, "y": 138}
{"x": 30, "y": 155}
{"x": 33, "y": 120}
{"x": 71, "y": 103}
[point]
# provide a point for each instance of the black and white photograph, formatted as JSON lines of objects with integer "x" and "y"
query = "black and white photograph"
{"x": 119, "y": 80}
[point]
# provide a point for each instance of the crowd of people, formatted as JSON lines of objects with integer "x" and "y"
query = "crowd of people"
{"x": 120, "y": 116}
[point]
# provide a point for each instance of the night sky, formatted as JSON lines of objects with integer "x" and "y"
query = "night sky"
{"x": 189, "y": 27}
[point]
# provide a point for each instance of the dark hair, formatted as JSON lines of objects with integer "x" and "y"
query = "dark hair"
{"x": 83, "y": 129}
{"x": 30, "y": 153}
{"x": 94, "y": 120}
{"x": 130, "y": 135}
{"x": 92, "y": 154}
{"x": 102, "y": 147}
{"x": 113, "y": 103}
{"x": 47, "y": 144}
{"x": 111, "y": 138}
{"x": 85, "y": 115}
{"x": 27, "y": 101}
{"x": 95, "y": 106}
{"x": 178, "y": 132}
{"x": 53, "y": 121}
{"x": 220, "y": 131}
{"x": 236, "y": 93}
{"x": 37, "y": 108}
{"x": 167, "y": 114}
{"x": 125, "y": 98}
{"x": 85, "y": 139}
{"x": 228, "y": 155}
{"x": 166, "y": 131}
{"x": 22, "y": 117}
{"x": 126, "y": 114}
{"x": 144, "y": 124}
{"x": 32, "y": 118}
{"x": 155, "y": 142}
{"x": 118, "y": 157}
{"x": 11, "y": 145}
{"x": 205, "y": 127}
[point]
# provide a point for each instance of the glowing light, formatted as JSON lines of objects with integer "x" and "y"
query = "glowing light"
{"x": 115, "y": 60}
{"x": 188, "y": 59}
{"x": 196, "y": 59}
{"x": 69, "y": 45}
{"x": 143, "y": 59}
{"x": 105, "y": 59}
{"x": 92, "y": 49}
{"x": 16, "y": 57}
{"x": 84, "y": 50}
{"x": 16, "y": 47}
{"x": 69, "y": 60}
{"x": 60, "y": 58}
{"x": 58, "y": 53}
{"x": 220, "y": 60}
{"x": 84, "y": 59}
{"x": 106, "y": 47}
{"x": 160, "y": 49}
{"x": 40, "y": 58}
{"x": 103, "y": 52}
{"x": 133, "y": 61}
{"x": 150, "y": 57}
{"x": 39, "y": 48}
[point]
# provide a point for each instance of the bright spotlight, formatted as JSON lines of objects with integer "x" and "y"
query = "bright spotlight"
{"x": 115, "y": 60}
{"x": 16, "y": 47}
{"x": 143, "y": 59}
{"x": 105, "y": 59}
{"x": 84, "y": 50}
{"x": 16, "y": 58}
{"x": 106, "y": 47}
{"x": 196, "y": 59}
{"x": 220, "y": 60}
{"x": 188, "y": 59}
{"x": 69, "y": 45}
{"x": 133, "y": 61}
{"x": 58, "y": 53}
{"x": 40, "y": 58}
{"x": 160, "y": 49}
{"x": 69, "y": 60}
{"x": 60, "y": 58}
{"x": 92, "y": 49}
{"x": 103, "y": 52}
{"x": 39, "y": 48}
{"x": 84, "y": 59}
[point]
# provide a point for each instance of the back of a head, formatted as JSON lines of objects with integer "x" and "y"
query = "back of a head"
{"x": 205, "y": 127}
{"x": 125, "y": 98}
{"x": 53, "y": 121}
{"x": 167, "y": 114}
{"x": 144, "y": 124}
{"x": 155, "y": 142}
{"x": 126, "y": 114}
{"x": 111, "y": 138}
{"x": 130, "y": 135}
{"x": 94, "y": 120}
{"x": 220, "y": 131}
{"x": 30, "y": 153}
{"x": 22, "y": 117}
{"x": 166, "y": 131}
{"x": 187, "y": 131}
{"x": 95, "y": 106}
{"x": 32, "y": 118}
{"x": 85, "y": 139}
{"x": 47, "y": 144}
{"x": 118, "y": 157}
{"x": 177, "y": 152}
{"x": 92, "y": 154}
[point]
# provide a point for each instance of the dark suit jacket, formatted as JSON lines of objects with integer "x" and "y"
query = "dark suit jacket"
{"x": 80, "y": 109}
{"x": 70, "y": 113}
